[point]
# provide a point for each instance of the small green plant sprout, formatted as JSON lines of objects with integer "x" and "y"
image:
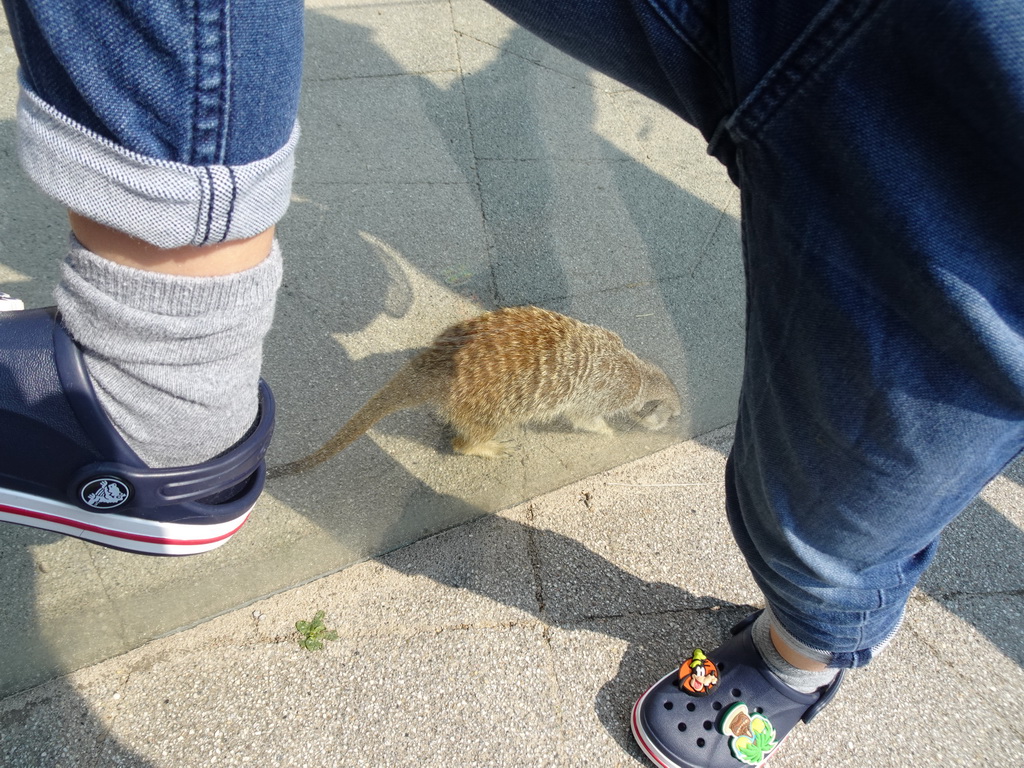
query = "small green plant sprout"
{"x": 312, "y": 634}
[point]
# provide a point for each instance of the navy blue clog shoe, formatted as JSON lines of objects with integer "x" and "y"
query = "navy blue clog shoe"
{"x": 722, "y": 709}
{"x": 65, "y": 468}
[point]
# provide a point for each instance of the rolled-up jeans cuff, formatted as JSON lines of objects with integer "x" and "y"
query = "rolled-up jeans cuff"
{"x": 833, "y": 659}
{"x": 164, "y": 203}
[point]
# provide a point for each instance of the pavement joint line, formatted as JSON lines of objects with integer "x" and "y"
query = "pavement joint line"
{"x": 108, "y": 722}
{"x": 667, "y": 279}
{"x": 557, "y": 693}
{"x": 924, "y": 639}
{"x": 570, "y": 624}
{"x": 477, "y": 183}
{"x": 533, "y": 553}
{"x": 402, "y": 632}
{"x": 542, "y": 299}
{"x": 663, "y": 612}
{"x": 565, "y": 160}
{"x": 705, "y": 248}
{"x": 537, "y": 63}
{"x": 93, "y": 554}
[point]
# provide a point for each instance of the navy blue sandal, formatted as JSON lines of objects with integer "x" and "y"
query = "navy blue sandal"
{"x": 65, "y": 468}
{"x": 722, "y": 709}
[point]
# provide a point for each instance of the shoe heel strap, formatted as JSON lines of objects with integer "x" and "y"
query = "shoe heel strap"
{"x": 107, "y": 485}
{"x": 826, "y": 696}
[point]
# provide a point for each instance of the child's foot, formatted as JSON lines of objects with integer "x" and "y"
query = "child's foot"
{"x": 722, "y": 709}
{"x": 174, "y": 359}
{"x": 64, "y": 467}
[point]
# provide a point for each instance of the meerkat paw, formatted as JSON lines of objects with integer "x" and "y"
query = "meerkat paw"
{"x": 595, "y": 424}
{"x": 659, "y": 418}
{"x": 489, "y": 449}
{"x": 655, "y": 421}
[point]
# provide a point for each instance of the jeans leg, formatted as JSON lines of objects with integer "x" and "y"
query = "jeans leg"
{"x": 880, "y": 169}
{"x": 879, "y": 147}
{"x": 173, "y": 122}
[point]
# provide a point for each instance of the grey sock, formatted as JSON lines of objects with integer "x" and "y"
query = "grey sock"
{"x": 802, "y": 680}
{"x": 175, "y": 360}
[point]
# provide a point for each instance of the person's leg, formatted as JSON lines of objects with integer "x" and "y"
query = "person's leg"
{"x": 169, "y": 133}
{"x": 878, "y": 149}
{"x": 884, "y": 381}
{"x": 884, "y": 372}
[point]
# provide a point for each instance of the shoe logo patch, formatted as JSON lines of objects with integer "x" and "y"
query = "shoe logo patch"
{"x": 105, "y": 493}
{"x": 698, "y": 675}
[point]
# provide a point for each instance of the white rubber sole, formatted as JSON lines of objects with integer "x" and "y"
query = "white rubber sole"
{"x": 654, "y": 754}
{"x": 134, "y": 534}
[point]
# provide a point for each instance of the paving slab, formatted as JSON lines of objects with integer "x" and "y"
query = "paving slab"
{"x": 480, "y": 23}
{"x": 347, "y": 40}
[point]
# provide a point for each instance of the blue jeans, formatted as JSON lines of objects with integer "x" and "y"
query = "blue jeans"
{"x": 879, "y": 149}
{"x": 878, "y": 146}
{"x": 174, "y": 122}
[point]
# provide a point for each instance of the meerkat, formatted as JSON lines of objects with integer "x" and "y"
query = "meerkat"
{"x": 512, "y": 366}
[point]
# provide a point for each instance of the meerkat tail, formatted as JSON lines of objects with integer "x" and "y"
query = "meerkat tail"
{"x": 406, "y": 390}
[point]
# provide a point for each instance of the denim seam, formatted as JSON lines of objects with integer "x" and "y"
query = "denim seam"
{"x": 686, "y": 37}
{"x": 226, "y": 74}
{"x": 209, "y": 102}
{"x": 196, "y": 86}
{"x": 823, "y": 40}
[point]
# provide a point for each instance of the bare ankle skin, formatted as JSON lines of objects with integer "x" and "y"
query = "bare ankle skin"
{"x": 798, "y": 660}
{"x": 189, "y": 261}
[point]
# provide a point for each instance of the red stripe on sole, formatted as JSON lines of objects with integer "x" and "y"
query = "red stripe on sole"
{"x": 72, "y": 523}
{"x": 646, "y": 748}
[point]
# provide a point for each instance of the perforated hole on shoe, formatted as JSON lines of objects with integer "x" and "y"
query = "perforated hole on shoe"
{"x": 737, "y": 692}
{"x": 716, "y": 706}
{"x": 669, "y": 705}
{"x": 701, "y": 742}
{"x": 681, "y": 727}
{"x": 690, "y": 706}
{"x": 708, "y": 725}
